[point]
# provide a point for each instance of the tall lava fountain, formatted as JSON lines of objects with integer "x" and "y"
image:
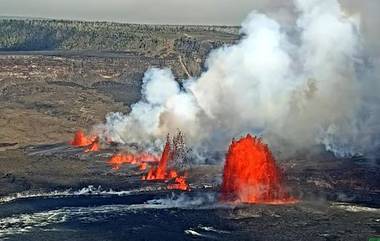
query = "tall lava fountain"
{"x": 251, "y": 175}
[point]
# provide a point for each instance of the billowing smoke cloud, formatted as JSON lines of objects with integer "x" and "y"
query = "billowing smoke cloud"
{"x": 303, "y": 86}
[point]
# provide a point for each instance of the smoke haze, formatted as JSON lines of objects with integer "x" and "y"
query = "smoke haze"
{"x": 303, "y": 85}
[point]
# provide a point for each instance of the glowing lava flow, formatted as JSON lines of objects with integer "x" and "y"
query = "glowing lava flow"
{"x": 160, "y": 173}
{"x": 139, "y": 159}
{"x": 251, "y": 175}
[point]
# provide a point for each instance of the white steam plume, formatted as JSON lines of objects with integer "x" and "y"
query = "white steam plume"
{"x": 302, "y": 87}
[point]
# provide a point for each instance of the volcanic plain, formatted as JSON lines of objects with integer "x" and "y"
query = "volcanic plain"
{"x": 49, "y": 92}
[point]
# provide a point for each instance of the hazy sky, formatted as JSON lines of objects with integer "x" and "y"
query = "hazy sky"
{"x": 145, "y": 11}
{"x": 230, "y": 12}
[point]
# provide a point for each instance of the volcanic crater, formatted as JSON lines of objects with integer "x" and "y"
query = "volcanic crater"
{"x": 58, "y": 182}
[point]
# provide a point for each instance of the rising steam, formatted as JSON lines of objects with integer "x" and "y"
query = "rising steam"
{"x": 303, "y": 86}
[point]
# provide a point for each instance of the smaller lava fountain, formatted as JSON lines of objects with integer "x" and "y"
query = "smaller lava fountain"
{"x": 162, "y": 172}
{"x": 251, "y": 175}
{"x": 81, "y": 140}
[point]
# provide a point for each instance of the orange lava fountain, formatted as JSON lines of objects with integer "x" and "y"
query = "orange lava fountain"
{"x": 139, "y": 159}
{"x": 160, "y": 173}
{"x": 251, "y": 175}
{"x": 81, "y": 140}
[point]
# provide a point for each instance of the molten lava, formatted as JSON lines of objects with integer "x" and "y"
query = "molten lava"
{"x": 180, "y": 183}
{"x": 94, "y": 146}
{"x": 81, "y": 140}
{"x": 143, "y": 166}
{"x": 251, "y": 175}
{"x": 161, "y": 172}
{"x": 140, "y": 159}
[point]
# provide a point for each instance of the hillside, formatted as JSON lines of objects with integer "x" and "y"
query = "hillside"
{"x": 19, "y": 34}
{"x": 66, "y": 75}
